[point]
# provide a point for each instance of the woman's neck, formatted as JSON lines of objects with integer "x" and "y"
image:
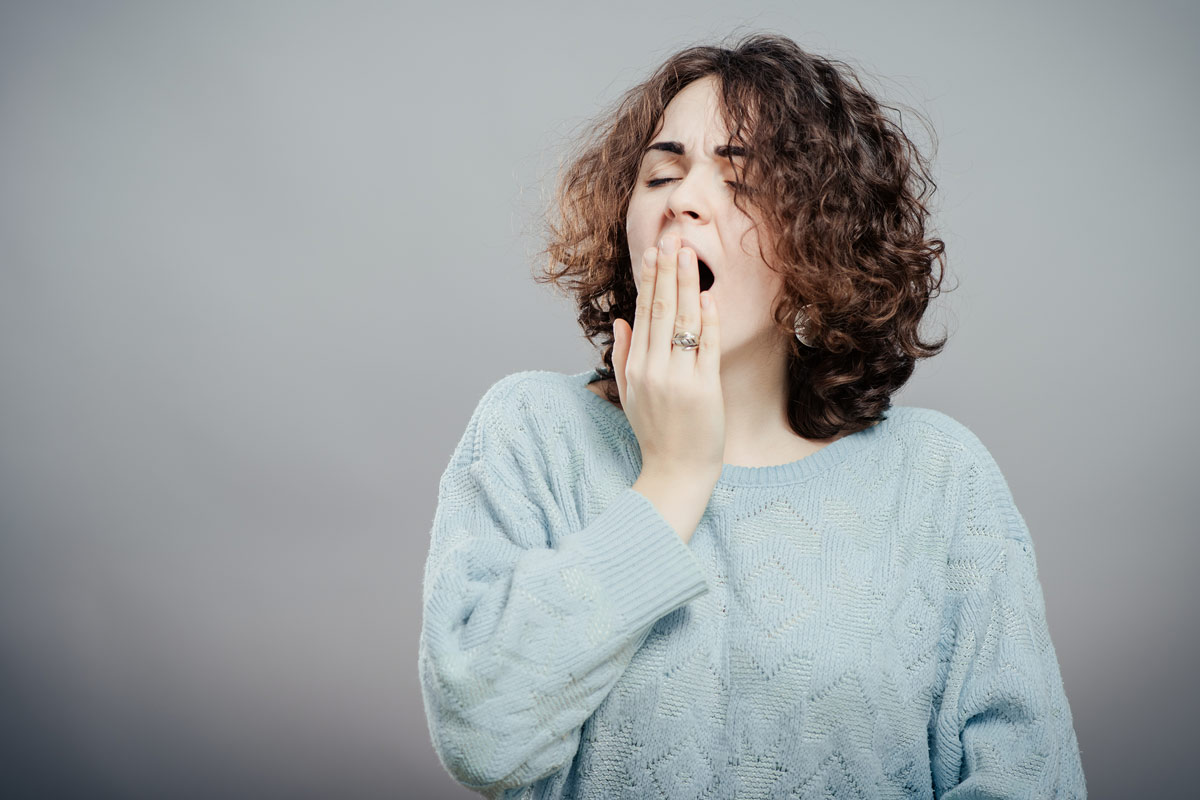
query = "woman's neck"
{"x": 757, "y": 430}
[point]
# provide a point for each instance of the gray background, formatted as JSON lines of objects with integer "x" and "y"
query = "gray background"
{"x": 258, "y": 263}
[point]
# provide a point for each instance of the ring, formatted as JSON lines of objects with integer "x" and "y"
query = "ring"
{"x": 685, "y": 340}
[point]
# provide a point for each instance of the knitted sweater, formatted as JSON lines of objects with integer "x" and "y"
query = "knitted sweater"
{"x": 866, "y": 622}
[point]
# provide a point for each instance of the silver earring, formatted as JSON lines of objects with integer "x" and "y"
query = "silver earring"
{"x": 801, "y": 328}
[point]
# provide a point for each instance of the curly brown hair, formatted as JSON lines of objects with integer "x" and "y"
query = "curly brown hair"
{"x": 838, "y": 186}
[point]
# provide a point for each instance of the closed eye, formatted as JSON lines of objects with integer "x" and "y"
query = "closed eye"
{"x": 660, "y": 181}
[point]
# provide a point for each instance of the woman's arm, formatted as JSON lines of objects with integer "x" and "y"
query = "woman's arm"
{"x": 1003, "y": 727}
{"x": 521, "y": 641}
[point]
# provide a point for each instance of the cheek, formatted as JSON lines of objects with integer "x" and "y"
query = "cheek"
{"x": 640, "y": 219}
{"x": 635, "y": 267}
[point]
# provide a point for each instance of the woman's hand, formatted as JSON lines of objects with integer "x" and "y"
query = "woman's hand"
{"x": 672, "y": 396}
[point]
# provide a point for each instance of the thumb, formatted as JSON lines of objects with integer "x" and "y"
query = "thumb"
{"x": 620, "y": 354}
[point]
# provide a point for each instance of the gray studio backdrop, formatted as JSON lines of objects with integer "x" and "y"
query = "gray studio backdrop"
{"x": 259, "y": 261}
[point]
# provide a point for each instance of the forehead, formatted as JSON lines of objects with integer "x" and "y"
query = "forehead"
{"x": 695, "y": 111}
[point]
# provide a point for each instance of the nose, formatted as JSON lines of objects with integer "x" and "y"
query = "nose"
{"x": 690, "y": 197}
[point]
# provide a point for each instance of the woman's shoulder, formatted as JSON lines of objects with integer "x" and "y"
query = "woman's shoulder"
{"x": 524, "y": 417}
{"x": 534, "y": 386}
{"x": 934, "y": 426}
{"x": 946, "y": 440}
{"x": 541, "y": 397}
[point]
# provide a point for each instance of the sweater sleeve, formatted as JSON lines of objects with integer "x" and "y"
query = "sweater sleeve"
{"x": 1003, "y": 727}
{"x": 526, "y": 629}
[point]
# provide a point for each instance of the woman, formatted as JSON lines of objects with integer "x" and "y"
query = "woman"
{"x": 714, "y": 566}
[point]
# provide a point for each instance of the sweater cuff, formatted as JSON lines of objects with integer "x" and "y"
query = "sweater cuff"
{"x": 634, "y": 552}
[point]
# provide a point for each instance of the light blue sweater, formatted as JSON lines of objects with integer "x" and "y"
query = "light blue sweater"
{"x": 866, "y": 622}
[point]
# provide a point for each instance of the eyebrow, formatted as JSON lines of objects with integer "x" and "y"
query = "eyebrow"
{"x": 720, "y": 151}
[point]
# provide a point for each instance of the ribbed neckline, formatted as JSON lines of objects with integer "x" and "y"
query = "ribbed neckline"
{"x": 774, "y": 475}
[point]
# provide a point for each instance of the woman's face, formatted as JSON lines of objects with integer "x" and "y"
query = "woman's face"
{"x": 693, "y": 199}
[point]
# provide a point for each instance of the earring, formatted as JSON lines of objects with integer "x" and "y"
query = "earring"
{"x": 801, "y": 328}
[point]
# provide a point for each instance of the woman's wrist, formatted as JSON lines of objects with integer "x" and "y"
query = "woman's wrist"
{"x": 681, "y": 498}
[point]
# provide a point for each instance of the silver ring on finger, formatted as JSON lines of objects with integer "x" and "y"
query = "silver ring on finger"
{"x": 685, "y": 340}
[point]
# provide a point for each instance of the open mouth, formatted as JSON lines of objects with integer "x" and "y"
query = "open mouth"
{"x": 706, "y": 276}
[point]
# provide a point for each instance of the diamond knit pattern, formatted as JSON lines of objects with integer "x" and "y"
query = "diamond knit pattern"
{"x": 866, "y": 622}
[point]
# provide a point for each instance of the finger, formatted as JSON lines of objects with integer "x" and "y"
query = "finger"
{"x": 709, "y": 358}
{"x": 687, "y": 316}
{"x": 640, "y": 339}
{"x": 662, "y": 309}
